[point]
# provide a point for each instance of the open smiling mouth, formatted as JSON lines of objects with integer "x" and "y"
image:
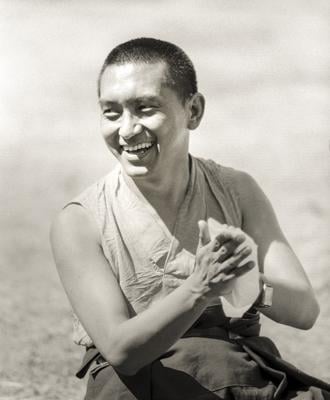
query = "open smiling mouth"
{"x": 139, "y": 149}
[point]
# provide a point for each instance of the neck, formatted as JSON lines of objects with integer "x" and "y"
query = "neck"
{"x": 166, "y": 192}
{"x": 170, "y": 187}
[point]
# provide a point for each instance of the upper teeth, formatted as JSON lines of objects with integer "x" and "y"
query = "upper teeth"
{"x": 138, "y": 147}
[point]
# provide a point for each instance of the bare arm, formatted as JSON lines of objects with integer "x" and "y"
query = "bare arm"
{"x": 294, "y": 301}
{"x": 130, "y": 343}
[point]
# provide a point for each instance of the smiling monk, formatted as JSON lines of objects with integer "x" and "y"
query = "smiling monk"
{"x": 140, "y": 269}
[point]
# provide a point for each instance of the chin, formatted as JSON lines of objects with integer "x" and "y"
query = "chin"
{"x": 139, "y": 171}
{"x": 136, "y": 172}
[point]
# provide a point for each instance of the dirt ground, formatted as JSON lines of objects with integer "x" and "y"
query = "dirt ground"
{"x": 264, "y": 69}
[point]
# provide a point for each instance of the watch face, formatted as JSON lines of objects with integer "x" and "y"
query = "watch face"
{"x": 267, "y": 296}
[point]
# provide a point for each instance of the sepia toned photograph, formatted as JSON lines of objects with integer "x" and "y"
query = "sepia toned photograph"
{"x": 165, "y": 208}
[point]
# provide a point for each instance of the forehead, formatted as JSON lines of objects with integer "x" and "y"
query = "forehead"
{"x": 133, "y": 79}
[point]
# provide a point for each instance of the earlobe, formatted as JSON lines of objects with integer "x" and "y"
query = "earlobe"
{"x": 197, "y": 106}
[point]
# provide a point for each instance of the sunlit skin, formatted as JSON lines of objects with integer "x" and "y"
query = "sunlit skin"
{"x": 138, "y": 107}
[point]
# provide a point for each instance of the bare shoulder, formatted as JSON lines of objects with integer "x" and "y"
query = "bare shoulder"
{"x": 245, "y": 185}
{"x": 74, "y": 219}
{"x": 73, "y": 229}
{"x": 259, "y": 218}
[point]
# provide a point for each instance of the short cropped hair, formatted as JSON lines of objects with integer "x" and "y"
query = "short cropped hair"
{"x": 181, "y": 75}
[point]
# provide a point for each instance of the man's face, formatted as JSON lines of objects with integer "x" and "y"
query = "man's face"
{"x": 143, "y": 121}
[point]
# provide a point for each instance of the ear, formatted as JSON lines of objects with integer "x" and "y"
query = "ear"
{"x": 196, "y": 110}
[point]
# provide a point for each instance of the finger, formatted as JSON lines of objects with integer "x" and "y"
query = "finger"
{"x": 223, "y": 278}
{"x": 222, "y": 254}
{"x": 224, "y": 236}
{"x": 204, "y": 234}
{"x": 231, "y": 232}
{"x": 215, "y": 245}
{"x": 228, "y": 277}
{"x": 228, "y": 249}
{"x": 239, "y": 237}
{"x": 231, "y": 259}
{"x": 235, "y": 260}
{"x": 220, "y": 275}
{"x": 243, "y": 269}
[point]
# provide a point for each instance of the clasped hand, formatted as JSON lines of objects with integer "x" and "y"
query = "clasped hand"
{"x": 221, "y": 260}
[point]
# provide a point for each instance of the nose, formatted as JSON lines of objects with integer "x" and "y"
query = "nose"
{"x": 129, "y": 126}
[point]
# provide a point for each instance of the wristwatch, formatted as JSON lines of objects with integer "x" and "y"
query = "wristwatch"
{"x": 265, "y": 298}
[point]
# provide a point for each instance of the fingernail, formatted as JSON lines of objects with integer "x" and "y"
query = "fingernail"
{"x": 240, "y": 238}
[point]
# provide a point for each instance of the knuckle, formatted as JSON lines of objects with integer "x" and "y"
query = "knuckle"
{"x": 229, "y": 264}
{"x": 224, "y": 249}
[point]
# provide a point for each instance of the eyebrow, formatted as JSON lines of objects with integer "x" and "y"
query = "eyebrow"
{"x": 141, "y": 99}
{"x": 104, "y": 102}
{"x": 148, "y": 98}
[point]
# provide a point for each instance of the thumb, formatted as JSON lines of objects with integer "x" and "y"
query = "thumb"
{"x": 204, "y": 234}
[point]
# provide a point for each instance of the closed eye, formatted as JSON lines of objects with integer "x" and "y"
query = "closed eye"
{"x": 111, "y": 114}
{"x": 147, "y": 110}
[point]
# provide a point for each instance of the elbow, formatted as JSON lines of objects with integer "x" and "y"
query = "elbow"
{"x": 123, "y": 352}
{"x": 306, "y": 324}
{"x": 303, "y": 313}
{"x": 124, "y": 363}
{"x": 310, "y": 316}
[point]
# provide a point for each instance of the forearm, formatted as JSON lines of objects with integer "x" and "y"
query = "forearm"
{"x": 141, "y": 339}
{"x": 127, "y": 342}
{"x": 294, "y": 304}
{"x": 137, "y": 341}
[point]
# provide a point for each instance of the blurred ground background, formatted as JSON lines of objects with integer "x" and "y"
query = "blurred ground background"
{"x": 263, "y": 67}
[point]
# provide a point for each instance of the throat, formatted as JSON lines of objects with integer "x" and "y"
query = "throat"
{"x": 168, "y": 200}
{"x": 166, "y": 193}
